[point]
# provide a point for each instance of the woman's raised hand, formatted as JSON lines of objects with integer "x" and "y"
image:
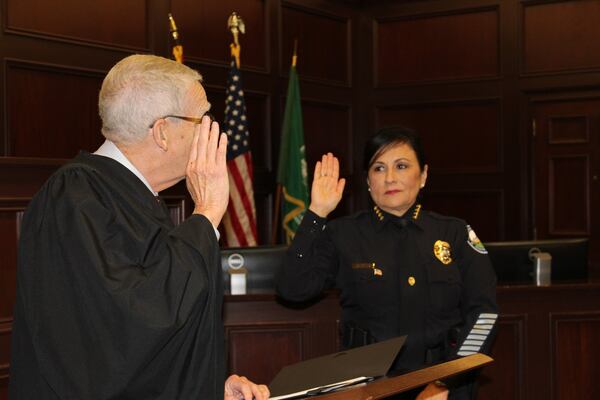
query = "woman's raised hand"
{"x": 327, "y": 188}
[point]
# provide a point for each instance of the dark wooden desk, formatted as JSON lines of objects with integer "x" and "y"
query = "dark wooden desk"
{"x": 548, "y": 343}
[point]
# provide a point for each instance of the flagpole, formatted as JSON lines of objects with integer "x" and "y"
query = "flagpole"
{"x": 276, "y": 213}
{"x": 279, "y": 187}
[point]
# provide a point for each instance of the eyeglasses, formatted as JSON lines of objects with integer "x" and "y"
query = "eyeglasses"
{"x": 195, "y": 120}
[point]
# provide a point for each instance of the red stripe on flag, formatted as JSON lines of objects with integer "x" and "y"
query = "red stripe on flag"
{"x": 244, "y": 196}
{"x": 238, "y": 230}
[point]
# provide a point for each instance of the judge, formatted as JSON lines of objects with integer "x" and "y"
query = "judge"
{"x": 113, "y": 300}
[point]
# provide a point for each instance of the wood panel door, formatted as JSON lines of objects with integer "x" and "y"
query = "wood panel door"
{"x": 566, "y": 171}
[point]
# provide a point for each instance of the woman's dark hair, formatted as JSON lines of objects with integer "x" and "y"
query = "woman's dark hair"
{"x": 390, "y": 136}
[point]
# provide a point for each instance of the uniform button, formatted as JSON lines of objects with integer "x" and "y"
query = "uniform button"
{"x": 411, "y": 281}
{"x": 299, "y": 255}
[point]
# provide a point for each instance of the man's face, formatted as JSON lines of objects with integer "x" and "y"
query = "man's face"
{"x": 181, "y": 132}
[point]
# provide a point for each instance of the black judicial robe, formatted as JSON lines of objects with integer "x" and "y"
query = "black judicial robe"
{"x": 114, "y": 301}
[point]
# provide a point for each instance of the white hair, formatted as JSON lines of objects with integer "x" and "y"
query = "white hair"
{"x": 137, "y": 91}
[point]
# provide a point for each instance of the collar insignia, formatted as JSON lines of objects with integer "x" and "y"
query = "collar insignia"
{"x": 416, "y": 212}
{"x": 415, "y": 215}
{"x": 378, "y": 213}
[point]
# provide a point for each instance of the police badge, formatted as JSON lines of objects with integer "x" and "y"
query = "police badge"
{"x": 442, "y": 252}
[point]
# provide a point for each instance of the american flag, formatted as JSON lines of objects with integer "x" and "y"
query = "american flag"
{"x": 240, "y": 220}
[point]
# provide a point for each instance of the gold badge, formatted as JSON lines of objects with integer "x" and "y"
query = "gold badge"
{"x": 411, "y": 281}
{"x": 442, "y": 252}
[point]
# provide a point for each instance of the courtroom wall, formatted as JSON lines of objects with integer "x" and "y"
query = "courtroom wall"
{"x": 504, "y": 92}
{"x": 505, "y": 95}
{"x": 54, "y": 56}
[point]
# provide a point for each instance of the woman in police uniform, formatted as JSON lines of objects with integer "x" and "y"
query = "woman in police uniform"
{"x": 401, "y": 269}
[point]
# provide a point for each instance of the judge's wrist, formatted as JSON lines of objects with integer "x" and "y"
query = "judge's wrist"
{"x": 213, "y": 216}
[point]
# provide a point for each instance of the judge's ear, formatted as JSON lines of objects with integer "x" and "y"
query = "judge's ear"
{"x": 158, "y": 134}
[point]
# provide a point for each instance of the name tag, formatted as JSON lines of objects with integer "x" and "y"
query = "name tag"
{"x": 372, "y": 266}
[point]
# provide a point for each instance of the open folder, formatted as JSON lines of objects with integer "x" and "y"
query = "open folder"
{"x": 334, "y": 371}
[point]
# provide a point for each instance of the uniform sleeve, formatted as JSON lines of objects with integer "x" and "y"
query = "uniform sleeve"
{"x": 478, "y": 297}
{"x": 311, "y": 261}
{"x": 109, "y": 289}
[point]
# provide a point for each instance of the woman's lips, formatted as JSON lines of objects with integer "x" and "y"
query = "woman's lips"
{"x": 392, "y": 191}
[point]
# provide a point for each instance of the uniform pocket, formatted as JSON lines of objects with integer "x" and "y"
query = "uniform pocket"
{"x": 444, "y": 287}
{"x": 369, "y": 290}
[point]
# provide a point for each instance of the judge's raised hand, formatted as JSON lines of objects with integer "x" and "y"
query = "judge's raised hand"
{"x": 327, "y": 188}
{"x": 238, "y": 387}
{"x": 206, "y": 172}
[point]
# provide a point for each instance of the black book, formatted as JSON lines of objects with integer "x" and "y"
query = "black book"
{"x": 334, "y": 371}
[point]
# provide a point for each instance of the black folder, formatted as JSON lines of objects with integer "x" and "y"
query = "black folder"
{"x": 333, "y": 371}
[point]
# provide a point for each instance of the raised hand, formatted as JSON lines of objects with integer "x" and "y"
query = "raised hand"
{"x": 206, "y": 172}
{"x": 327, "y": 188}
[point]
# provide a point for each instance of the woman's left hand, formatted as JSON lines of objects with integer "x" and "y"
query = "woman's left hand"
{"x": 433, "y": 392}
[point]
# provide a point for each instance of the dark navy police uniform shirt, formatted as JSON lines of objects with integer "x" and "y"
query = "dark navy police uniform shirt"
{"x": 422, "y": 274}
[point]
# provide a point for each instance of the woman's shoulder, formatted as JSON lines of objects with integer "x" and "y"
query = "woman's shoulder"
{"x": 441, "y": 218}
{"x": 431, "y": 219}
{"x": 359, "y": 217}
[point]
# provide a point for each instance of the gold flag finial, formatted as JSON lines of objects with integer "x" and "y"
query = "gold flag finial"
{"x": 235, "y": 23}
{"x": 177, "y": 47}
{"x": 236, "y": 26}
{"x": 295, "y": 55}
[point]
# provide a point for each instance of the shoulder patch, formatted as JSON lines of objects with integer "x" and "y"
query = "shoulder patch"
{"x": 474, "y": 241}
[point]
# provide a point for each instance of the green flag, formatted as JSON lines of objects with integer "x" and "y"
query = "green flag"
{"x": 291, "y": 172}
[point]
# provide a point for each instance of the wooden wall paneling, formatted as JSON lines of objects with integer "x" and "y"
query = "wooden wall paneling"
{"x": 568, "y": 129}
{"x": 456, "y": 44}
{"x": 11, "y": 215}
{"x": 565, "y": 159}
{"x": 505, "y": 378}
{"x": 482, "y": 209}
{"x": 178, "y": 207}
{"x": 471, "y": 129}
{"x": 248, "y": 347}
{"x": 51, "y": 111}
{"x": 324, "y": 44}
{"x": 543, "y": 306}
{"x": 5, "y": 329}
{"x": 260, "y": 324}
{"x": 575, "y": 355}
{"x": 560, "y": 36}
{"x": 204, "y": 34}
{"x": 569, "y": 195}
{"x": 101, "y": 22}
{"x": 20, "y": 177}
{"x": 328, "y": 128}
